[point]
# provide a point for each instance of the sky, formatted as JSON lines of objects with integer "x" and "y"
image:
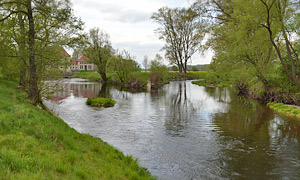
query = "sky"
{"x": 129, "y": 25}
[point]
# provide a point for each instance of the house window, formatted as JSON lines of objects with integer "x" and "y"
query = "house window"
{"x": 90, "y": 67}
{"x": 81, "y": 67}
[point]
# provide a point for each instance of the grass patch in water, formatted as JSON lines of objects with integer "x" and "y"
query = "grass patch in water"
{"x": 37, "y": 145}
{"x": 100, "y": 102}
{"x": 288, "y": 110}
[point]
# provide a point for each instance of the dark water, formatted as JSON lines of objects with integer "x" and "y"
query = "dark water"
{"x": 185, "y": 131}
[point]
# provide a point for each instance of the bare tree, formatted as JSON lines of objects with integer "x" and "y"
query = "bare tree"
{"x": 145, "y": 62}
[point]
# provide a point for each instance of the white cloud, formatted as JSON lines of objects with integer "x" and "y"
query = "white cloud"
{"x": 128, "y": 23}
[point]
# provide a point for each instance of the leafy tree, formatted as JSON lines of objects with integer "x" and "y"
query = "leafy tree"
{"x": 182, "y": 31}
{"x": 38, "y": 28}
{"x": 249, "y": 33}
{"x": 123, "y": 64}
{"x": 99, "y": 50}
{"x": 174, "y": 68}
{"x": 159, "y": 71}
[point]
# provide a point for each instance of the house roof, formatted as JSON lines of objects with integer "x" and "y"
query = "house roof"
{"x": 82, "y": 58}
{"x": 65, "y": 53}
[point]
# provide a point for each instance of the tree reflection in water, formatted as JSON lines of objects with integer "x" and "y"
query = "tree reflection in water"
{"x": 179, "y": 112}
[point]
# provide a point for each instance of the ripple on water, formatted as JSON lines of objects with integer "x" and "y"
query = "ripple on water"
{"x": 189, "y": 132}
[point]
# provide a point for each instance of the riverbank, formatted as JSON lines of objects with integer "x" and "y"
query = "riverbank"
{"x": 37, "y": 145}
{"x": 139, "y": 80}
{"x": 288, "y": 110}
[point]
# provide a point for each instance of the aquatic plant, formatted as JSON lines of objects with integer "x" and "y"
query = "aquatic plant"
{"x": 101, "y": 102}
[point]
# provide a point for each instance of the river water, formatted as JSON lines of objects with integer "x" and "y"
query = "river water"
{"x": 185, "y": 131}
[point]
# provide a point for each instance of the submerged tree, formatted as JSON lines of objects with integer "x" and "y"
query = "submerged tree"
{"x": 183, "y": 32}
{"x": 99, "y": 50}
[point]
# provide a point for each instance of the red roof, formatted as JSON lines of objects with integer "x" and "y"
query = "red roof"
{"x": 80, "y": 59}
{"x": 65, "y": 53}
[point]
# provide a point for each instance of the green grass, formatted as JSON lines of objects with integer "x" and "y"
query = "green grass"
{"x": 204, "y": 83}
{"x": 34, "y": 144}
{"x": 284, "y": 109}
{"x": 100, "y": 102}
{"x": 91, "y": 75}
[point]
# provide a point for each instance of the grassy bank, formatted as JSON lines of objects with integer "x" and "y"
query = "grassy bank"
{"x": 287, "y": 110}
{"x": 211, "y": 80}
{"x": 37, "y": 145}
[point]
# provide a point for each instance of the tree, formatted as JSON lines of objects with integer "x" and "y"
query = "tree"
{"x": 145, "y": 62}
{"x": 99, "y": 50}
{"x": 159, "y": 71}
{"x": 174, "y": 68}
{"x": 42, "y": 24}
{"x": 183, "y": 32}
{"x": 122, "y": 64}
{"x": 281, "y": 18}
{"x": 258, "y": 29}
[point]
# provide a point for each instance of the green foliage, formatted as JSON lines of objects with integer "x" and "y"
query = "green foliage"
{"x": 194, "y": 68}
{"x": 92, "y": 76}
{"x": 174, "y": 68}
{"x": 98, "y": 50}
{"x": 101, "y": 102}
{"x": 285, "y": 109}
{"x": 37, "y": 145}
{"x": 123, "y": 65}
{"x": 159, "y": 72}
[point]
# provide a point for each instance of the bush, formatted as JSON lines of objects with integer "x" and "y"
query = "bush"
{"x": 159, "y": 72}
{"x": 101, "y": 102}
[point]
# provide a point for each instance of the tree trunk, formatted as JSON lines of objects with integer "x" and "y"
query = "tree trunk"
{"x": 33, "y": 88}
{"x": 23, "y": 71}
{"x": 103, "y": 76}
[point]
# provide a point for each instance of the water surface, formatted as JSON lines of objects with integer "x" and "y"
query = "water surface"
{"x": 184, "y": 131}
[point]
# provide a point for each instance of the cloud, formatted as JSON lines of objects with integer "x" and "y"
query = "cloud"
{"x": 114, "y": 11}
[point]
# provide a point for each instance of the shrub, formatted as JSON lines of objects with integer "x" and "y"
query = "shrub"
{"x": 159, "y": 72}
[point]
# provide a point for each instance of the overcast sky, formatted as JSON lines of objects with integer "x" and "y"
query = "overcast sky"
{"x": 129, "y": 25}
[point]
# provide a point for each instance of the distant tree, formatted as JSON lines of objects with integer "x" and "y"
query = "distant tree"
{"x": 194, "y": 68}
{"x": 98, "y": 50}
{"x": 145, "y": 62}
{"x": 183, "y": 33}
{"x": 174, "y": 68}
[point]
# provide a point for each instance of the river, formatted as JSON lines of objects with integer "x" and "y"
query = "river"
{"x": 185, "y": 131}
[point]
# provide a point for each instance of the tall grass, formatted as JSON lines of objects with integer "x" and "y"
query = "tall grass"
{"x": 34, "y": 144}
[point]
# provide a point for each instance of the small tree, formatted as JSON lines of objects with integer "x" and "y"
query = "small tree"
{"x": 145, "y": 62}
{"x": 174, "y": 68}
{"x": 159, "y": 71}
{"x": 123, "y": 64}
